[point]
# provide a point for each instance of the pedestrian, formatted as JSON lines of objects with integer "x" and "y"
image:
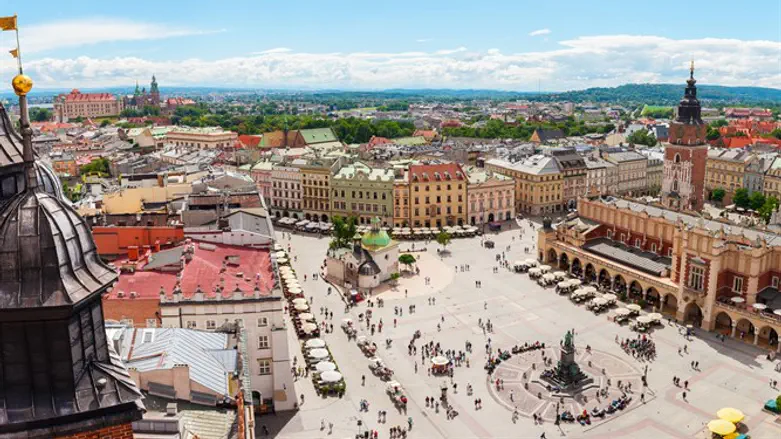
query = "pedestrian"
{"x": 363, "y": 380}
{"x": 686, "y": 385}
{"x": 684, "y": 396}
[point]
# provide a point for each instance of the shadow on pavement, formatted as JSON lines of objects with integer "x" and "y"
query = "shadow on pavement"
{"x": 274, "y": 422}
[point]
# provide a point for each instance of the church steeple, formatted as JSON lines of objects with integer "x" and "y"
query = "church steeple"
{"x": 689, "y": 109}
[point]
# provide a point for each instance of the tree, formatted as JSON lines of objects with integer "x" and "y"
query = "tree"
{"x": 394, "y": 277}
{"x": 98, "y": 166}
{"x": 407, "y": 259}
{"x": 642, "y": 137}
{"x": 756, "y": 200}
{"x": 104, "y": 123}
{"x": 343, "y": 233}
{"x": 767, "y": 209}
{"x": 443, "y": 239}
{"x": 78, "y": 119}
{"x": 741, "y": 198}
{"x": 38, "y": 114}
{"x": 718, "y": 194}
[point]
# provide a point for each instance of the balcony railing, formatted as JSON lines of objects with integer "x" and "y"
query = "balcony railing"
{"x": 765, "y": 317}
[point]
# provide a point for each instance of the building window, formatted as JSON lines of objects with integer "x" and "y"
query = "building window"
{"x": 609, "y": 234}
{"x": 151, "y": 323}
{"x": 637, "y": 242}
{"x": 653, "y": 247}
{"x": 264, "y": 366}
{"x": 210, "y": 324}
{"x": 262, "y": 321}
{"x": 191, "y": 324}
{"x": 696, "y": 277}
{"x": 263, "y": 342}
{"x": 737, "y": 284}
{"x": 775, "y": 282}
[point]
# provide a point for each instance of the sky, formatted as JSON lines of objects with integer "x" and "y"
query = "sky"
{"x": 514, "y": 45}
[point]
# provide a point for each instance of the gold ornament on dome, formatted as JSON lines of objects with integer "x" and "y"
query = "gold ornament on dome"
{"x": 22, "y": 84}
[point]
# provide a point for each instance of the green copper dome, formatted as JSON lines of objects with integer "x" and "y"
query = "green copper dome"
{"x": 376, "y": 237}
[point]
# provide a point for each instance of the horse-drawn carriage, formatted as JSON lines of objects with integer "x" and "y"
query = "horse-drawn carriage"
{"x": 396, "y": 393}
{"x": 377, "y": 366}
{"x": 367, "y": 347}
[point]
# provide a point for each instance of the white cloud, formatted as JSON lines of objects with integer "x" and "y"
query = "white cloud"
{"x": 74, "y": 33}
{"x": 605, "y": 60}
{"x": 539, "y": 32}
{"x": 274, "y": 50}
{"x": 423, "y": 40}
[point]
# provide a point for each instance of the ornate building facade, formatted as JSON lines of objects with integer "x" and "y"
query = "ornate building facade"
{"x": 686, "y": 154}
{"x": 141, "y": 98}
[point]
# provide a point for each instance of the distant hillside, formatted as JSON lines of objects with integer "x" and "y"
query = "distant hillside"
{"x": 669, "y": 94}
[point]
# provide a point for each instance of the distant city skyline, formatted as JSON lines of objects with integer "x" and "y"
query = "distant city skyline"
{"x": 348, "y": 45}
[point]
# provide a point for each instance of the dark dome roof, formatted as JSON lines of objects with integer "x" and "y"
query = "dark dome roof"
{"x": 369, "y": 268}
{"x": 48, "y": 181}
{"x": 47, "y": 254}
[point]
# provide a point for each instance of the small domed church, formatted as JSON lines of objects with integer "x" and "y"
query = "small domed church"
{"x": 371, "y": 261}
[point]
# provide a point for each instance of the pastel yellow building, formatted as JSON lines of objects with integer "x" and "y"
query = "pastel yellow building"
{"x": 437, "y": 195}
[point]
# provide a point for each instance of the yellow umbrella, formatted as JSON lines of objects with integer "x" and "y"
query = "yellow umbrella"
{"x": 731, "y": 415}
{"x": 721, "y": 427}
{"x": 734, "y": 435}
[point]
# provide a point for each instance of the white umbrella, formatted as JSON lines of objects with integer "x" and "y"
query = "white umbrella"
{"x": 609, "y": 296}
{"x": 563, "y": 284}
{"x": 325, "y": 366}
{"x": 278, "y": 248}
{"x": 534, "y": 271}
{"x": 737, "y": 299}
{"x": 331, "y": 376}
{"x": 633, "y": 307}
{"x": 560, "y": 274}
{"x": 280, "y": 254}
{"x": 300, "y": 301}
{"x": 315, "y": 343}
{"x": 600, "y": 301}
{"x": 306, "y": 317}
{"x": 590, "y": 289}
{"x": 575, "y": 282}
{"x": 288, "y": 276}
{"x": 302, "y": 307}
{"x": 623, "y": 312}
{"x": 777, "y": 312}
{"x": 545, "y": 268}
{"x": 308, "y": 328}
{"x": 548, "y": 276}
{"x": 295, "y": 290}
{"x": 439, "y": 360}
{"x": 518, "y": 263}
{"x": 531, "y": 262}
{"x": 282, "y": 261}
{"x": 655, "y": 316}
{"x": 644, "y": 320}
{"x": 759, "y": 306}
{"x": 319, "y": 353}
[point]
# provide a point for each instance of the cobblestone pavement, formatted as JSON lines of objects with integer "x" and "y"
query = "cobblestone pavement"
{"x": 731, "y": 373}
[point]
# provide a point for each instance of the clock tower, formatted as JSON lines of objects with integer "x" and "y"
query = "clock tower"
{"x": 685, "y": 155}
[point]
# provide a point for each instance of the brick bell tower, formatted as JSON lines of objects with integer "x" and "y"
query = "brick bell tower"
{"x": 683, "y": 186}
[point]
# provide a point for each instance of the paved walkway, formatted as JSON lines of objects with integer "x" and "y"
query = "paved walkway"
{"x": 520, "y": 311}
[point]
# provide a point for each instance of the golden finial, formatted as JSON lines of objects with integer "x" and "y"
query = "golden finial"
{"x": 22, "y": 84}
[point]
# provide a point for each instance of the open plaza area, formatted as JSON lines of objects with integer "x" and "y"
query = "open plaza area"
{"x": 466, "y": 304}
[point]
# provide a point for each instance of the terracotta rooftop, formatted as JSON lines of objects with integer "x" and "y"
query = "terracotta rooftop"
{"x": 77, "y": 96}
{"x": 242, "y": 266}
{"x": 441, "y": 172}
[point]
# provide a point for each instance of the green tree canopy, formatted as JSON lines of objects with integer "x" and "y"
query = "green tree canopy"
{"x": 407, "y": 259}
{"x": 756, "y": 200}
{"x": 443, "y": 239}
{"x": 642, "y": 137}
{"x": 741, "y": 198}
{"x": 98, "y": 166}
{"x": 343, "y": 233}
{"x": 771, "y": 205}
{"x": 38, "y": 114}
{"x": 718, "y": 194}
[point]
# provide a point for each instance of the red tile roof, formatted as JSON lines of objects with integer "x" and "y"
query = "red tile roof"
{"x": 77, "y": 96}
{"x": 737, "y": 142}
{"x": 205, "y": 270}
{"x": 249, "y": 141}
{"x": 441, "y": 172}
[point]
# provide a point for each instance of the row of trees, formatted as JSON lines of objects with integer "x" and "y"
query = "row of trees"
{"x": 348, "y": 130}
{"x": 522, "y": 130}
{"x": 642, "y": 137}
{"x": 757, "y": 201}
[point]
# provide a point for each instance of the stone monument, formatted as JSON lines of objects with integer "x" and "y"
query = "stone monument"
{"x": 567, "y": 374}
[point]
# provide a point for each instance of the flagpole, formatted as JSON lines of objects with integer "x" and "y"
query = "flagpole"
{"x": 18, "y": 51}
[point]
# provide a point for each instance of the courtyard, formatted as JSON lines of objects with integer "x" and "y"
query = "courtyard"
{"x": 730, "y": 373}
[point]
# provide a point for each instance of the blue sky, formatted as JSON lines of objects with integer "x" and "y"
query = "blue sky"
{"x": 369, "y": 45}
